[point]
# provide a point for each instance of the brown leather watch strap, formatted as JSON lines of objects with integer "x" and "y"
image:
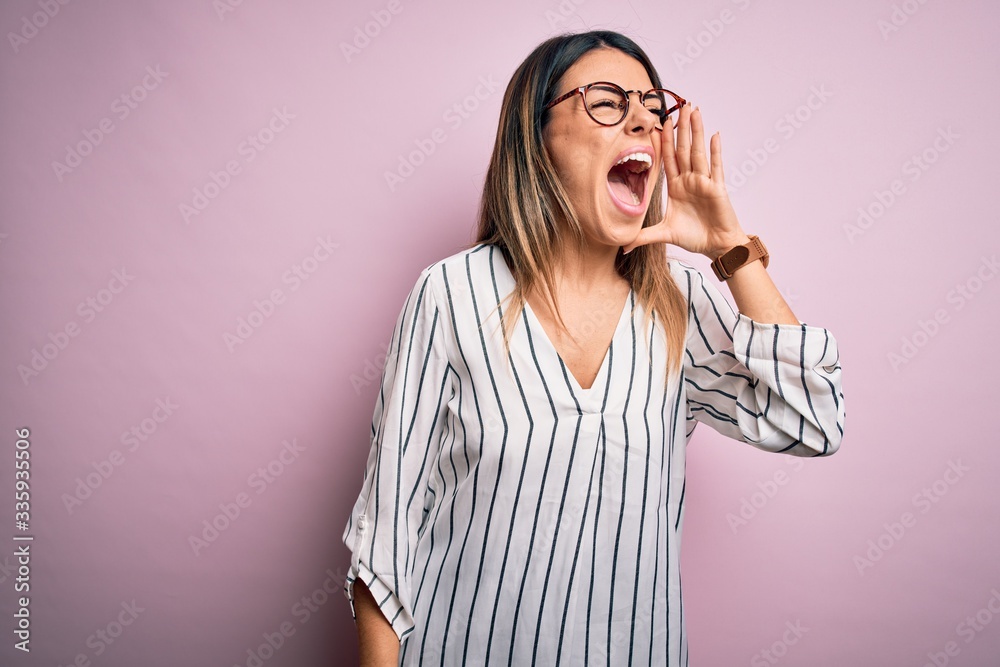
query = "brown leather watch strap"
{"x": 727, "y": 263}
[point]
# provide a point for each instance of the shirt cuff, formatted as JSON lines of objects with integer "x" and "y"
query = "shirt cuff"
{"x": 390, "y": 606}
{"x": 758, "y": 345}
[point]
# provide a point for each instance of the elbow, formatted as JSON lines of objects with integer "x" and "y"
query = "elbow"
{"x": 820, "y": 441}
{"x": 818, "y": 431}
{"x": 830, "y": 447}
{"x": 833, "y": 435}
{"x": 826, "y": 442}
{"x": 804, "y": 439}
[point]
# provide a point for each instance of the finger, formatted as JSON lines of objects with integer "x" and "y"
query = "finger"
{"x": 684, "y": 139}
{"x": 667, "y": 150}
{"x": 699, "y": 161}
{"x": 658, "y": 233}
{"x": 716, "y": 147}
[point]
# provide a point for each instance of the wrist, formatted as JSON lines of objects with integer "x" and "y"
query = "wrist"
{"x": 729, "y": 244}
{"x": 726, "y": 264}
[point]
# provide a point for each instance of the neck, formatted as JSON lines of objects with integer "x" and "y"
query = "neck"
{"x": 586, "y": 269}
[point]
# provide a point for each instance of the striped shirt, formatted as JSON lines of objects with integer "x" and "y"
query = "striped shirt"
{"x": 508, "y": 516}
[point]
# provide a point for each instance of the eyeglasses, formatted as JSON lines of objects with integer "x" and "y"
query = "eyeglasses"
{"x": 607, "y": 103}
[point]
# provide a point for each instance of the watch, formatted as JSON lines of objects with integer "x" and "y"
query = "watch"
{"x": 726, "y": 264}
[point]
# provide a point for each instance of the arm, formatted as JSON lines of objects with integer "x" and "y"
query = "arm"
{"x": 389, "y": 513}
{"x": 379, "y": 645}
{"x": 758, "y": 375}
{"x": 775, "y": 386}
{"x": 755, "y": 293}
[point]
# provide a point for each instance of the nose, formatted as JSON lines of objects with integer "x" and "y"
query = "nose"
{"x": 639, "y": 117}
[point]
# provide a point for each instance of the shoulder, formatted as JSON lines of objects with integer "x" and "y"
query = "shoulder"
{"x": 687, "y": 276}
{"x": 474, "y": 265}
{"x": 697, "y": 290}
{"x": 476, "y": 258}
{"x": 445, "y": 276}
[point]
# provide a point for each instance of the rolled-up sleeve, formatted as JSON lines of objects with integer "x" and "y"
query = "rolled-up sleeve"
{"x": 389, "y": 514}
{"x": 775, "y": 386}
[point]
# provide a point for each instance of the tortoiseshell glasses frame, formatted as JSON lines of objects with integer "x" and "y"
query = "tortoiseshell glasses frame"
{"x": 623, "y": 110}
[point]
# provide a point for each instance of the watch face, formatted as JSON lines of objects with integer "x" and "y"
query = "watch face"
{"x": 735, "y": 258}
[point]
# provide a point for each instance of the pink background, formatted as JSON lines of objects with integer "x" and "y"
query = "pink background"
{"x": 318, "y": 172}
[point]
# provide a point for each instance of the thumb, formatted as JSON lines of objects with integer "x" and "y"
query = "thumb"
{"x": 658, "y": 233}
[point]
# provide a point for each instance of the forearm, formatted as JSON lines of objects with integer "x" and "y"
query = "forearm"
{"x": 379, "y": 645}
{"x": 756, "y": 295}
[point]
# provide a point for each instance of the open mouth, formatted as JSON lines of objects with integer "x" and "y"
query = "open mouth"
{"x": 627, "y": 179}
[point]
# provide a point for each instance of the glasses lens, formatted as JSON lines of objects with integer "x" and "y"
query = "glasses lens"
{"x": 606, "y": 104}
{"x": 661, "y": 103}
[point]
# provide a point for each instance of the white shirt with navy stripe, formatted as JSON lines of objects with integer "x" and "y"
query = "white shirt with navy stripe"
{"x": 509, "y": 517}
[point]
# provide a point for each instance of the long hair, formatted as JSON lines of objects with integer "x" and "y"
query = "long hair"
{"x": 523, "y": 198}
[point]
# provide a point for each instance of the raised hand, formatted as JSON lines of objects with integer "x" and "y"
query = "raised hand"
{"x": 699, "y": 216}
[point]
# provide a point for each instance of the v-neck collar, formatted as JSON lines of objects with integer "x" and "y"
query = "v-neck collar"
{"x": 586, "y": 397}
{"x": 601, "y": 377}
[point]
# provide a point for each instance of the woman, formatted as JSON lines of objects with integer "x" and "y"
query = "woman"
{"x": 524, "y": 492}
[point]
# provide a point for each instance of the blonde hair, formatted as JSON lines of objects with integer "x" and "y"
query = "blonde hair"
{"x": 523, "y": 198}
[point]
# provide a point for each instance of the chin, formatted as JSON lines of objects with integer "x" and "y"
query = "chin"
{"x": 625, "y": 229}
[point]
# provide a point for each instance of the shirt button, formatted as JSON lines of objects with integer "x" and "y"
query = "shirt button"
{"x": 361, "y": 524}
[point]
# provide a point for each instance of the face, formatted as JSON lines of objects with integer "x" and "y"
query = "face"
{"x": 584, "y": 152}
